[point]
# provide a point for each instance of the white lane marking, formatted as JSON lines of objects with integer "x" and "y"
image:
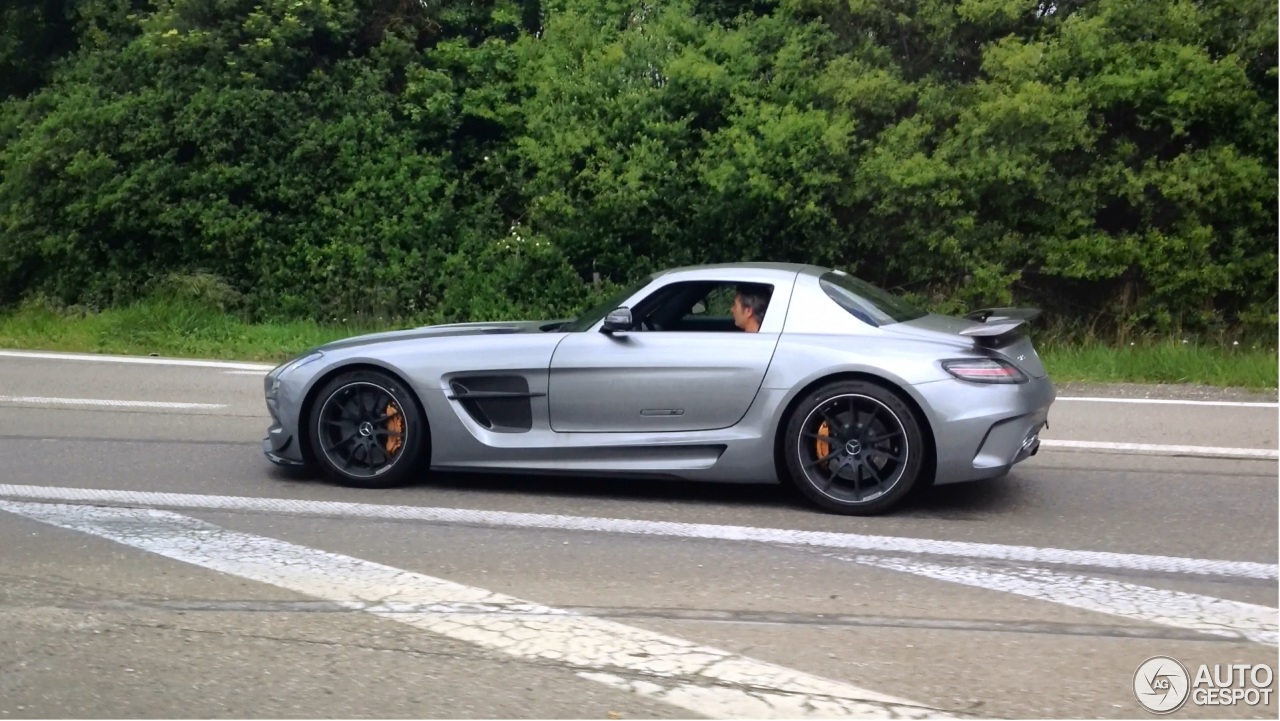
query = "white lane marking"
{"x": 1171, "y": 401}
{"x": 1155, "y": 449}
{"x": 776, "y": 536}
{"x": 1216, "y": 616}
{"x": 138, "y": 360}
{"x": 245, "y": 373}
{"x": 171, "y": 405}
{"x": 496, "y": 621}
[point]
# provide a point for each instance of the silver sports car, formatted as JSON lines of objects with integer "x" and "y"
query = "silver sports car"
{"x": 748, "y": 372}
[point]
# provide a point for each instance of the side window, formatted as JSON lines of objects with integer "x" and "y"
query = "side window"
{"x": 694, "y": 306}
{"x": 718, "y": 303}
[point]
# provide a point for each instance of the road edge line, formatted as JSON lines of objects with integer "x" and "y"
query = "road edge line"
{"x": 1156, "y": 449}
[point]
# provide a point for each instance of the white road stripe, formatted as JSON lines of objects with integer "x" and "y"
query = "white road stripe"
{"x": 1155, "y": 449}
{"x": 109, "y": 403}
{"x": 245, "y": 373}
{"x": 1171, "y": 401}
{"x": 777, "y": 536}
{"x": 1216, "y": 616}
{"x": 135, "y": 360}
{"x": 700, "y": 679}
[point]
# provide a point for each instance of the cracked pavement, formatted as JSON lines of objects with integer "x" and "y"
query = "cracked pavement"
{"x": 151, "y": 628}
{"x": 581, "y": 643}
{"x": 99, "y": 660}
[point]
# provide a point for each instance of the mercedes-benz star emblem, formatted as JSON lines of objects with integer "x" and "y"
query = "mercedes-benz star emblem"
{"x": 366, "y": 429}
{"x": 853, "y": 448}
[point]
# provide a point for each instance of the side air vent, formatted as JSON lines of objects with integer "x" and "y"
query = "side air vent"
{"x": 500, "y": 403}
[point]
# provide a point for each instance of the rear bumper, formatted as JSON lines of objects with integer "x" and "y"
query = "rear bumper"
{"x": 1008, "y": 443}
{"x": 983, "y": 432}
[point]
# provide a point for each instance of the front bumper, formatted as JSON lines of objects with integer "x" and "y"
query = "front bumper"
{"x": 274, "y": 456}
{"x": 280, "y": 445}
{"x": 283, "y": 389}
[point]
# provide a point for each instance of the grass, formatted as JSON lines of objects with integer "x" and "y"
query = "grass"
{"x": 1163, "y": 362}
{"x": 175, "y": 328}
{"x": 165, "y": 328}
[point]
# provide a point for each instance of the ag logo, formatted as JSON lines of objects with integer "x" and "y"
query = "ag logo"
{"x": 1161, "y": 684}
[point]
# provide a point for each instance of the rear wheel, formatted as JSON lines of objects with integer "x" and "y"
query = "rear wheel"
{"x": 367, "y": 431}
{"x": 854, "y": 448}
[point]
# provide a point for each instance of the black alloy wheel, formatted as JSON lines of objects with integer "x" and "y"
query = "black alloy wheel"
{"x": 367, "y": 430}
{"x": 854, "y": 447}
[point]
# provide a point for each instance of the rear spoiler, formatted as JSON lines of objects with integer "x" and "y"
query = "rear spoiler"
{"x": 998, "y": 321}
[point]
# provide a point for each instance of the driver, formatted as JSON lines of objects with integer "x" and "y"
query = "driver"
{"x": 749, "y": 306}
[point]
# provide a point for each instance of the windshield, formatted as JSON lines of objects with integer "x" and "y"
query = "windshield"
{"x": 593, "y": 315}
{"x": 867, "y": 302}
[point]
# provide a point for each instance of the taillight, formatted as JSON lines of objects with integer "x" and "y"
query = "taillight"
{"x": 984, "y": 370}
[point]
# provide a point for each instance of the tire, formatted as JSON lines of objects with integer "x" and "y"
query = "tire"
{"x": 832, "y": 480}
{"x": 353, "y": 424}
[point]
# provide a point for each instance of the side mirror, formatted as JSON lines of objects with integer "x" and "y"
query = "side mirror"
{"x": 617, "y": 321}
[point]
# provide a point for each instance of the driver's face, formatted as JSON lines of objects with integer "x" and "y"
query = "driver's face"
{"x": 740, "y": 314}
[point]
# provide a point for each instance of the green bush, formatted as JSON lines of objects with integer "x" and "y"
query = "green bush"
{"x": 1113, "y": 162}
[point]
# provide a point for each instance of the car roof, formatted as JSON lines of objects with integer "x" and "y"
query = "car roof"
{"x": 748, "y": 265}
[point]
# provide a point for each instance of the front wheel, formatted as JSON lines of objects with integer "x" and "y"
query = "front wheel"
{"x": 854, "y": 448}
{"x": 367, "y": 431}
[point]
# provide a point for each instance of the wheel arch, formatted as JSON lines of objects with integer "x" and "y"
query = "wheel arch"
{"x": 320, "y": 381}
{"x": 927, "y": 474}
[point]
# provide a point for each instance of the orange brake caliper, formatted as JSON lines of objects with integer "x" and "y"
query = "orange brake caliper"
{"x": 395, "y": 424}
{"x": 822, "y": 448}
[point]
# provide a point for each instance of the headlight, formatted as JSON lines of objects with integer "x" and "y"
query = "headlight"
{"x": 273, "y": 378}
{"x": 297, "y": 363}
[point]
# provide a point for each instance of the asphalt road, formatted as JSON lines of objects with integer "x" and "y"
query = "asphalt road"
{"x": 258, "y": 593}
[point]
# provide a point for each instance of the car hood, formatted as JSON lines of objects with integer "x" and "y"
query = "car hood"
{"x": 443, "y": 331}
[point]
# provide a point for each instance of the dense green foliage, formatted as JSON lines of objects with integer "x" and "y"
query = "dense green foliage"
{"x": 1112, "y": 161}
